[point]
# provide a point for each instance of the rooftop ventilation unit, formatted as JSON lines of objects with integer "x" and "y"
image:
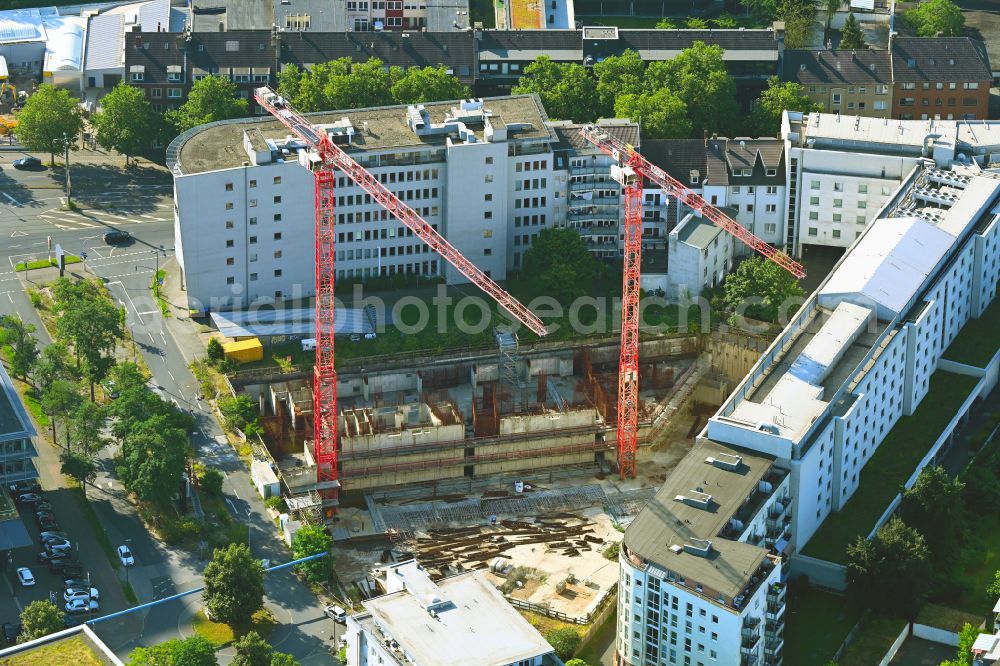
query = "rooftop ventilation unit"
{"x": 695, "y": 498}
{"x": 699, "y": 547}
{"x": 726, "y": 461}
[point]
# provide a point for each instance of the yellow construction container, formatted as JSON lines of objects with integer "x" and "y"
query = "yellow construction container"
{"x": 244, "y": 351}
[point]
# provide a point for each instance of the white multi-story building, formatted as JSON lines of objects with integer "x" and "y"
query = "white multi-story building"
{"x": 461, "y": 620}
{"x": 481, "y": 172}
{"x": 699, "y": 255}
{"x": 859, "y": 354}
{"x": 840, "y": 170}
{"x": 702, "y": 580}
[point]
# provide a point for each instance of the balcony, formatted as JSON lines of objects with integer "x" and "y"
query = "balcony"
{"x": 776, "y": 593}
{"x": 594, "y": 201}
{"x": 592, "y": 184}
{"x": 745, "y": 514}
{"x": 773, "y": 647}
{"x": 775, "y": 611}
{"x": 751, "y": 637}
{"x": 749, "y": 660}
{"x": 773, "y": 660}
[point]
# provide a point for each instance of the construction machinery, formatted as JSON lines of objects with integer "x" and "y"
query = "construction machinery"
{"x": 328, "y": 158}
{"x": 629, "y": 170}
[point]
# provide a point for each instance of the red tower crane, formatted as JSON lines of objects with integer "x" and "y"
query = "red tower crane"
{"x": 333, "y": 157}
{"x": 630, "y": 170}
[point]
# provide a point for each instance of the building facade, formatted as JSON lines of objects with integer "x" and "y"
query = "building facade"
{"x": 17, "y": 449}
{"x": 702, "y": 576}
{"x": 940, "y": 78}
{"x": 851, "y": 82}
{"x": 699, "y": 256}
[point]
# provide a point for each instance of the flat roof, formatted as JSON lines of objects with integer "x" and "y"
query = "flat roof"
{"x": 697, "y": 231}
{"x": 666, "y": 521}
{"x": 219, "y": 145}
{"x": 478, "y": 627}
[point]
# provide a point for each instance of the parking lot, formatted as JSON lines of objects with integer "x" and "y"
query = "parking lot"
{"x": 93, "y": 564}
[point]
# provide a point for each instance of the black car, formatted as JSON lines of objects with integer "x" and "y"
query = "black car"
{"x": 117, "y": 237}
{"x": 10, "y": 633}
{"x": 64, "y": 565}
{"x": 44, "y": 516}
{"x": 72, "y": 571}
{"x": 48, "y": 525}
{"x": 21, "y": 487}
{"x": 28, "y": 163}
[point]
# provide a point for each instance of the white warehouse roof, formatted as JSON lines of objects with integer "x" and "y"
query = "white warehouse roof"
{"x": 21, "y": 25}
{"x": 887, "y": 265}
{"x": 64, "y": 48}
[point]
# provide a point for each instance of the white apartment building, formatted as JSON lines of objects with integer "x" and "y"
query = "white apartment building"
{"x": 480, "y": 171}
{"x": 699, "y": 256}
{"x": 860, "y": 352}
{"x": 702, "y": 579}
{"x": 461, "y": 620}
{"x": 840, "y": 170}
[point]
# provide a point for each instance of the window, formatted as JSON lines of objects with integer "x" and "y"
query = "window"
{"x": 838, "y": 203}
{"x": 771, "y": 208}
{"x": 253, "y": 203}
{"x": 232, "y": 45}
{"x": 229, "y": 224}
{"x": 746, "y": 173}
{"x": 230, "y": 280}
{"x": 862, "y": 204}
{"x": 862, "y": 188}
{"x": 277, "y": 235}
{"x": 277, "y": 254}
{"x": 813, "y": 215}
{"x": 487, "y": 252}
{"x": 487, "y": 197}
{"x": 253, "y": 183}
{"x": 881, "y": 105}
{"x": 489, "y": 178}
{"x": 229, "y": 243}
{"x": 277, "y": 199}
{"x": 174, "y": 93}
{"x": 814, "y": 185}
{"x": 838, "y": 187}
{"x": 735, "y": 189}
{"x": 137, "y": 77}
{"x": 770, "y": 172}
{"x": 156, "y": 93}
{"x": 770, "y": 227}
{"x": 253, "y": 277}
{"x": 488, "y": 215}
{"x": 772, "y": 189}
{"x": 836, "y": 99}
{"x": 173, "y": 76}
{"x": 253, "y": 240}
{"x": 277, "y": 217}
{"x": 909, "y": 86}
{"x": 972, "y": 86}
{"x": 813, "y": 201}
{"x": 489, "y": 160}
{"x": 277, "y": 180}
{"x": 837, "y": 217}
{"x": 229, "y": 205}
{"x": 230, "y": 261}
{"x": 277, "y": 272}
{"x": 836, "y": 233}
{"x": 860, "y": 219}
{"x": 253, "y": 221}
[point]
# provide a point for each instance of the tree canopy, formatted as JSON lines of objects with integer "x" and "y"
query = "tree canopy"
{"x": 564, "y": 641}
{"x": 934, "y": 507}
{"x": 427, "y": 84}
{"x": 891, "y": 572}
{"x": 40, "y": 618}
{"x": 193, "y": 651}
{"x": 618, "y": 76}
{"x": 560, "y": 264}
{"x": 931, "y": 17}
{"x": 799, "y": 17}
{"x": 252, "y": 650}
{"x": 49, "y": 115}
{"x": 126, "y": 121}
{"x": 778, "y": 97}
{"x": 698, "y": 76}
{"x": 310, "y": 540}
{"x": 761, "y": 289}
{"x": 23, "y": 345}
{"x": 91, "y": 323}
{"x": 212, "y": 98}
{"x": 567, "y": 90}
{"x": 234, "y": 585}
{"x": 661, "y": 114}
{"x": 851, "y": 36}
{"x": 152, "y": 458}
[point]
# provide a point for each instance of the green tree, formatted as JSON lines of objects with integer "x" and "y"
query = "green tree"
{"x": 560, "y": 265}
{"x": 88, "y": 421}
{"x": 617, "y": 76}
{"x": 963, "y": 654}
{"x": 851, "y": 36}
{"x": 212, "y": 98}
{"x": 49, "y": 115}
{"x": 152, "y": 458}
{"x": 567, "y": 90}
{"x": 777, "y": 97}
{"x": 725, "y": 21}
{"x": 993, "y": 589}
{"x": 80, "y": 466}
{"x": 290, "y": 81}
{"x": 891, "y": 572}
{"x": 252, "y": 650}
{"x": 428, "y": 84}
{"x": 126, "y": 121}
{"x": 23, "y": 345}
{"x": 234, "y": 585}
{"x": 934, "y": 507}
{"x": 89, "y": 321}
{"x": 53, "y": 363}
{"x": 800, "y": 19}
{"x": 565, "y": 641}
{"x": 214, "y": 350}
{"x": 577, "y": 662}
{"x": 927, "y": 18}
{"x": 696, "y": 23}
{"x": 282, "y": 659}
{"x": 194, "y": 651}
{"x": 40, "y": 618}
{"x": 661, "y": 114}
{"x": 666, "y": 24}
{"x": 310, "y": 540}
{"x": 238, "y": 411}
{"x": 699, "y": 78}
{"x": 59, "y": 400}
{"x": 830, "y": 7}
{"x": 761, "y": 289}
{"x": 211, "y": 481}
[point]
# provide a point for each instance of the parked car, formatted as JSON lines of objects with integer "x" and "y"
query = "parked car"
{"x": 44, "y": 505}
{"x": 29, "y": 498}
{"x": 336, "y": 613}
{"x": 25, "y": 577}
{"x": 48, "y": 524}
{"x": 117, "y": 237}
{"x": 125, "y": 555}
{"x": 61, "y": 564}
{"x": 21, "y": 487}
{"x": 82, "y": 606}
{"x": 44, "y": 517}
{"x": 10, "y": 633}
{"x": 27, "y": 163}
{"x": 54, "y": 535}
{"x": 76, "y": 582}
{"x": 80, "y": 593}
{"x": 72, "y": 570}
{"x": 60, "y": 549}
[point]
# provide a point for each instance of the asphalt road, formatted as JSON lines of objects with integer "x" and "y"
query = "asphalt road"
{"x": 139, "y": 201}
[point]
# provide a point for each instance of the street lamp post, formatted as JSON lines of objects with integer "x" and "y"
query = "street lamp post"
{"x": 65, "y": 141}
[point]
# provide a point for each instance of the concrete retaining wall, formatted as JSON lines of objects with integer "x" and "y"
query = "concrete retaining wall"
{"x": 820, "y": 572}
{"x": 935, "y": 634}
{"x": 896, "y": 644}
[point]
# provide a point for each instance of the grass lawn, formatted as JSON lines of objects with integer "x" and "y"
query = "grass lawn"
{"x": 44, "y": 263}
{"x": 222, "y": 634}
{"x": 946, "y": 618}
{"x": 977, "y": 342}
{"x": 73, "y": 650}
{"x": 982, "y": 561}
{"x": 816, "y": 623}
{"x": 891, "y": 465}
{"x": 526, "y": 14}
{"x": 872, "y": 642}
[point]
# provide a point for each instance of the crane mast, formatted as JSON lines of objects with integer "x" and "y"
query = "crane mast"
{"x": 325, "y": 377}
{"x": 629, "y": 170}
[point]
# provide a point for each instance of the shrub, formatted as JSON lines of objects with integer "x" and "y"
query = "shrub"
{"x": 211, "y": 481}
{"x": 565, "y": 641}
{"x": 611, "y": 552}
{"x": 276, "y": 503}
{"x": 215, "y": 351}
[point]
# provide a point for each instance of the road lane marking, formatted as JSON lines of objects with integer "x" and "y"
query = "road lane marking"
{"x": 12, "y": 199}
{"x": 171, "y": 376}
{"x": 18, "y": 233}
